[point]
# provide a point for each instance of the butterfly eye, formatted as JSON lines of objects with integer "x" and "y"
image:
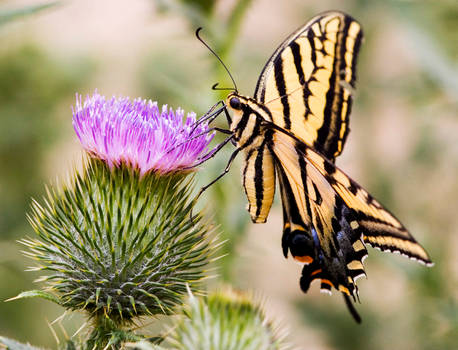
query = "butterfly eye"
{"x": 235, "y": 103}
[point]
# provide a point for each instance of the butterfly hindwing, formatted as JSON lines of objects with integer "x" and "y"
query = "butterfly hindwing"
{"x": 379, "y": 227}
{"x": 338, "y": 218}
{"x": 317, "y": 223}
{"x": 307, "y": 83}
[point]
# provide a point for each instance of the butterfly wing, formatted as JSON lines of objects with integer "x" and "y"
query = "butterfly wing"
{"x": 307, "y": 82}
{"x": 258, "y": 176}
{"x": 317, "y": 224}
{"x": 329, "y": 218}
{"x": 379, "y": 227}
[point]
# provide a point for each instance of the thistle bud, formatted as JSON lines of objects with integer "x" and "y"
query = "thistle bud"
{"x": 224, "y": 320}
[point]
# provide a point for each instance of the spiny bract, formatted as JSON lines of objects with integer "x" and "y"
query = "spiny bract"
{"x": 120, "y": 244}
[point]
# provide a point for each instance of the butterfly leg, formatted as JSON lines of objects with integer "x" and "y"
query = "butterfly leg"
{"x": 212, "y": 153}
{"x": 224, "y": 131}
{"x": 228, "y": 117}
{"x": 226, "y": 170}
{"x": 210, "y": 115}
{"x": 229, "y": 121}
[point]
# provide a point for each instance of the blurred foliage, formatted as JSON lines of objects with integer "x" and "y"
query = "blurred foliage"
{"x": 11, "y": 15}
{"x": 419, "y": 185}
{"x": 32, "y": 88}
{"x": 220, "y": 32}
{"x": 222, "y": 29}
{"x": 439, "y": 17}
{"x": 203, "y": 6}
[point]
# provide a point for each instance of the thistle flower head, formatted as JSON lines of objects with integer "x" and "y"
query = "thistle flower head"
{"x": 139, "y": 133}
{"x": 119, "y": 242}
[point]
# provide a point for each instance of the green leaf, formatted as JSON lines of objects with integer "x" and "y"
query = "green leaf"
{"x": 14, "y": 345}
{"x": 36, "y": 294}
{"x": 10, "y": 15}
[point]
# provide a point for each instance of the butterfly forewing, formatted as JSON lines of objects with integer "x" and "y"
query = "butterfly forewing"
{"x": 307, "y": 82}
{"x": 258, "y": 176}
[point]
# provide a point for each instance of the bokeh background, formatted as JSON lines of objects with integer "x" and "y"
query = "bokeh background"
{"x": 403, "y": 147}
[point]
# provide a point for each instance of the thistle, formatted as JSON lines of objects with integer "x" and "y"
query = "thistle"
{"x": 224, "y": 320}
{"x": 117, "y": 240}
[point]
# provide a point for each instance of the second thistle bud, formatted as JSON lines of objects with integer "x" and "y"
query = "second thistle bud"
{"x": 224, "y": 320}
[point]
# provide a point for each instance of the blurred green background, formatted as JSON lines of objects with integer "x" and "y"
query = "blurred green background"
{"x": 403, "y": 147}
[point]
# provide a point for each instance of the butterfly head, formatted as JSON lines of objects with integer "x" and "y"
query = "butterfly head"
{"x": 240, "y": 104}
{"x": 237, "y": 104}
{"x": 234, "y": 102}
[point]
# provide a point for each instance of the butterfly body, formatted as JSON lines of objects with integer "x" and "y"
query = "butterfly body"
{"x": 252, "y": 136}
{"x": 292, "y": 131}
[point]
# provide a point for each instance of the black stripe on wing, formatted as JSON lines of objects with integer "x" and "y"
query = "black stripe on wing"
{"x": 334, "y": 257}
{"x": 379, "y": 227}
{"x": 309, "y": 79}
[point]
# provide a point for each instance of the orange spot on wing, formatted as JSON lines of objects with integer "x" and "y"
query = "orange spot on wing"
{"x": 327, "y": 282}
{"x": 304, "y": 259}
{"x": 315, "y": 272}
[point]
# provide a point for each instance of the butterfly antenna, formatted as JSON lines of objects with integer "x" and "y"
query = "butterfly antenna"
{"x": 215, "y": 87}
{"x": 219, "y": 59}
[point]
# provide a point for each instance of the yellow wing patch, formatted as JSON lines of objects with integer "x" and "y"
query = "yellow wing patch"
{"x": 259, "y": 182}
{"x": 306, "y": 84}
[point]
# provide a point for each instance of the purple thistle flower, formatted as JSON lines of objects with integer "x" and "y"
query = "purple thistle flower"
{"x": 138, "y": 134}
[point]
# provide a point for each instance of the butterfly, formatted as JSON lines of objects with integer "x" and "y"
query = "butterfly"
{"x": 292, "y": 130}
